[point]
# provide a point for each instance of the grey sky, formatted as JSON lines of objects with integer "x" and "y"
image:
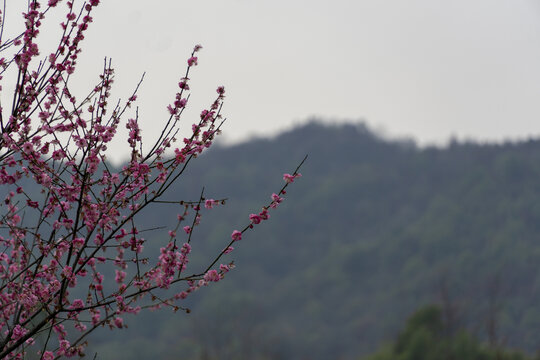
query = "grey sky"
{"x": 425, "y": 68}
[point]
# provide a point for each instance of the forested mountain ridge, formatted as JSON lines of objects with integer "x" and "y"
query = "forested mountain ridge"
{"x": 372, "y": 231}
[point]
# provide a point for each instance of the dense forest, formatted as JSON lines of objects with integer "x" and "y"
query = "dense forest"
{"x": 374, "y": 231}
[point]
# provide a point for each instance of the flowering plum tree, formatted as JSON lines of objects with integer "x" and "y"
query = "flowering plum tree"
{"x": 71, "y": 256}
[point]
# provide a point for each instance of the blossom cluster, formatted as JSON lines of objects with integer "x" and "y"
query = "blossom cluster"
{"x": 72, "y": 258}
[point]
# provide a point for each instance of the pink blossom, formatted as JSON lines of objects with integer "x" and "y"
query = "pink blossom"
{"x": 183, "y": 85}
{"x": 28, "y": 147}
{"x": 276, "y": 199}
{"x": 236, "y": 235}
{"x": 19, "y": 331}
{"x": 181, "y": 103}
{"x": 192, "y": 61}
{"x": 119, "y": 322}
{"x": 264, "y": 214}
{"x": 255, "y": 219}
{"x": 209, "y": 203}
{"x": 58, "y": 154}
{"x": 96, "y": 317}
{"x": 33, "y": 204}
{"x": 120, "y": 276}
{"x": 187, "y": 229}
{"x": 77, "y": 304}
{"x": 78, "y": 242}
{"x": 288, "y": 178}
{"x": 179, "y": 157}
{"x": 186, "y": 249}
{"x": 211, "y": 275}
{"x": 64, "y": 346}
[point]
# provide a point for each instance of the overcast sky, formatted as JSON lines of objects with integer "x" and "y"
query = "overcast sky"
{"x": 428, "y": 69}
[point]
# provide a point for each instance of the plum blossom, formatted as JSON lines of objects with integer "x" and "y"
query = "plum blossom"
{"x": 255, "y": 219}
{"x": 86, "y": 210}
{"x": 192, "y": 61}
{"x": 290, "y": 178}
{"x": 212, "y": 275}
{"x": 236, "y": 235}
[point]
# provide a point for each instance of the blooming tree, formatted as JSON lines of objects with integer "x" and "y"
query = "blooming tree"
{"x": 71, "y": 256}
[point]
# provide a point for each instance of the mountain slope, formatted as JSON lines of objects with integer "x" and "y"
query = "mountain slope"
{"x": 373, "y": 230}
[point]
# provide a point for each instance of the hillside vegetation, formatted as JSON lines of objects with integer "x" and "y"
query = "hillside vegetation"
{"x": 373, "y": 231}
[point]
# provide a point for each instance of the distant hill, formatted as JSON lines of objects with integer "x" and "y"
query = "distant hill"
{"x": 373, "y": 230}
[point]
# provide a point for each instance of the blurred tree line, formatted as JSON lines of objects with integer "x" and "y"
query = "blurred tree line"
{"x": 375, "y": 229}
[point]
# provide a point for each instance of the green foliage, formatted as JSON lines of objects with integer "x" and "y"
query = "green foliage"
{"x": 426, "y": 337}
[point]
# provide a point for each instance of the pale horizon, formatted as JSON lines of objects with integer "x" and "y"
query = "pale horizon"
{"x": 422, "y": 69}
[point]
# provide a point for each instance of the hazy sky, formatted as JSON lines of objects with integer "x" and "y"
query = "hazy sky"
{"x": 423, "y": 68}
